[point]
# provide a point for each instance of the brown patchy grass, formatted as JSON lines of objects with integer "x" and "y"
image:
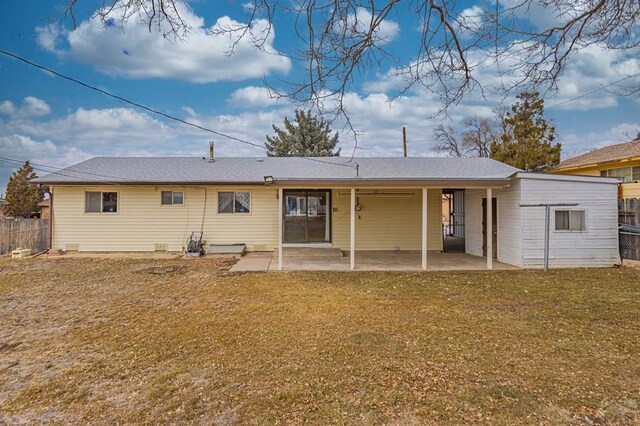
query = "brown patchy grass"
{"x": 185, "y": 341}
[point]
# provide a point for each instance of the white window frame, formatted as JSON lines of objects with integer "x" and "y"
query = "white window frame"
{"x": 584, "y": 213}
{"x": 629, "y": 179}
{"x": 101, "y": 202}
{"x": 234, "y": 203}
{"x": 172, "y": 203}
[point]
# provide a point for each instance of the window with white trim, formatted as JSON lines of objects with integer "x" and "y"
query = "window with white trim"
{"x": 234, "y": 202}
{"x": 629, "y": 174}
{"x": 172, "y": 198}
{"x": 571, "y": 220}
{"x": 101, "y": 202}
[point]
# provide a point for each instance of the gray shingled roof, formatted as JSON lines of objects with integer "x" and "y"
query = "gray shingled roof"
{"x": 227, "y": 170}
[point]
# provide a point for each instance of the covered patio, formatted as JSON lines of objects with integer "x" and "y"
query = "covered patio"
{"x": 375, "y": 227}
{"x": 303, "y": 259}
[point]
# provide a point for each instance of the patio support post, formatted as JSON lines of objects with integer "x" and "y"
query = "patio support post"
{"x": 424, "y": 228}
{"x": 352, "y": 233}
{"x": 280, "y": 219}
{"x": 489, "y": 228}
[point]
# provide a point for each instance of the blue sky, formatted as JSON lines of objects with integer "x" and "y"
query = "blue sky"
{"x": 53, "y": 122}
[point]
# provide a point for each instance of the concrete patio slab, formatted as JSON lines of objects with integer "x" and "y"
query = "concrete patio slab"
{"x": 385, "y": 261}
{"x": 253, "y": 262}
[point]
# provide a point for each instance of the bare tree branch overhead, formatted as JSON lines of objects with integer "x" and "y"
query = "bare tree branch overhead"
{"x": 528, "y": 42}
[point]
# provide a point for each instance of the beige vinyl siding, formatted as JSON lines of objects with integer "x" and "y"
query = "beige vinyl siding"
{"x": 387, "y": 222}
{"x": 141, "y": 220}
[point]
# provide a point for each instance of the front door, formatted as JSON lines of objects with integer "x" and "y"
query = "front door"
{"x": 306, "y": 216}
{"x": 494, "y": 226}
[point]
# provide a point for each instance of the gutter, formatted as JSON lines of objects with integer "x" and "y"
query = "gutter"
{"x": 360, "y": 182}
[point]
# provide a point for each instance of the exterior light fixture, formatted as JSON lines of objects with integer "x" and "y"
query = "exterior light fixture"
{"x": 268, "y": 180}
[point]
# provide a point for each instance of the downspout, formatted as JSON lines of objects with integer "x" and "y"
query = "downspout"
{"x": 50, "y": 218}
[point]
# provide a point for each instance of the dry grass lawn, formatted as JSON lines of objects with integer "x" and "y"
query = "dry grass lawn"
{"x": 185, "y": 341}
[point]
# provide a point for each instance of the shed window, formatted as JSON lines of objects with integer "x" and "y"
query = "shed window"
{"x": 170, "y": 198}
{"x": 101, "y": 202}
{"x": 570, "y": 220}
{"x": 234, "y": 202}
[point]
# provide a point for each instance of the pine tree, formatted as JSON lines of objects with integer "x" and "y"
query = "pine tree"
{"x": 527, "y": 142}
{"x": 308, "y": 136}
{"x": 22, "y": 197}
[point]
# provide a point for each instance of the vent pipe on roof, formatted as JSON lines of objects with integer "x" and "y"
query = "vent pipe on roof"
{"x": 211, "y": 152}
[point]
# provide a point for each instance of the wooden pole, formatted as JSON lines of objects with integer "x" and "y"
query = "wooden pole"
{"x": 404, "y": 140}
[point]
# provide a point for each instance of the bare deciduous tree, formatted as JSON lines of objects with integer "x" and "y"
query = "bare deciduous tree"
{"x": 341, "y": 39}
{"x": 473, "y": 141}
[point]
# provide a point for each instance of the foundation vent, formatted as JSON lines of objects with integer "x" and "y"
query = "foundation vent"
{"x": 160, "y": 247}
{"x": 72, "y": 247}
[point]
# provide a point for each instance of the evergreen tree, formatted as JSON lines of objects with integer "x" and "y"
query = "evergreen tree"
{"x": 22, "y": 197}
{"x": 527, "y": 140}
{"x": 307, "y": 136}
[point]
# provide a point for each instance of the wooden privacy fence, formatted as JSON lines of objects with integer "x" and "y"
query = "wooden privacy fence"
{"x": 24, "y": 233}
{"x": 629, "y": 211}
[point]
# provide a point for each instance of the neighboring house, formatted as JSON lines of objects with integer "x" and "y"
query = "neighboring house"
{"x": 620, "y": 161}
{"x": 44, "y": 208}
{"x": 364, "y": 204}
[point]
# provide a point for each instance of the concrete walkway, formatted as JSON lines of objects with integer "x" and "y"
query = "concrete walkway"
{"x": 365, "y": 261}
{"x": 253, "y": 262}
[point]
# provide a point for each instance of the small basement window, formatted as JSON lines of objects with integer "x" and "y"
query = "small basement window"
{"x": 171, "y": 198}
{"x": 571, "y": 220}
{"x": 101, "y": 202}
{"x": 234, "y": 202}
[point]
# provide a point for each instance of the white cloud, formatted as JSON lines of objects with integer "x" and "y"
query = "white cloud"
{"x": 253, "y": 97}
{"x": 7, "y": 107}
{"x": 85, "y": 132}
{"x": 31, "y": 107}
{"x": 470, "y": 21}
{"x": 48, "y": 37}
{"x": 574, "y": 143}
{"x": 359, "y": 23}
{"x": 204, "y": 56}
{"x": 44, "y": 155}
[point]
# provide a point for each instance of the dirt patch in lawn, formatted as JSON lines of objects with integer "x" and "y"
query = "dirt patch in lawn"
{"x": 186, "y": 341}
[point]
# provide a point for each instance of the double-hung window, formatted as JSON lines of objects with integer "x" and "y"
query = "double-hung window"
{"x": 234, "y": 202}
{"x": 172, "y": 198}
{"x": 101, "y": 202}
{"x": 629, "y": 174}
{"x": 570, "y": 220}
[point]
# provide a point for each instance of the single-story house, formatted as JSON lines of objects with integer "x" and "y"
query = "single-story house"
{"x": 620, "y": 160}
{"x": 359, "y": 205}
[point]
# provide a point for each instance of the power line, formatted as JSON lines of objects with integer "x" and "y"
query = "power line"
{"x": 13, "y": 160}
{"x": 123, "y": 99}
{"x": 150, "y": 109}
{"x": 593, "y": 91}
{"x": 45, "y": 168}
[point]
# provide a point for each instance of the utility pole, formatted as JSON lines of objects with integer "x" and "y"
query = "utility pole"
{"x": 404, "y": 140}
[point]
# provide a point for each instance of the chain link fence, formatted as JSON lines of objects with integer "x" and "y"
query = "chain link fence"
{"x": 629, "y": 245}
